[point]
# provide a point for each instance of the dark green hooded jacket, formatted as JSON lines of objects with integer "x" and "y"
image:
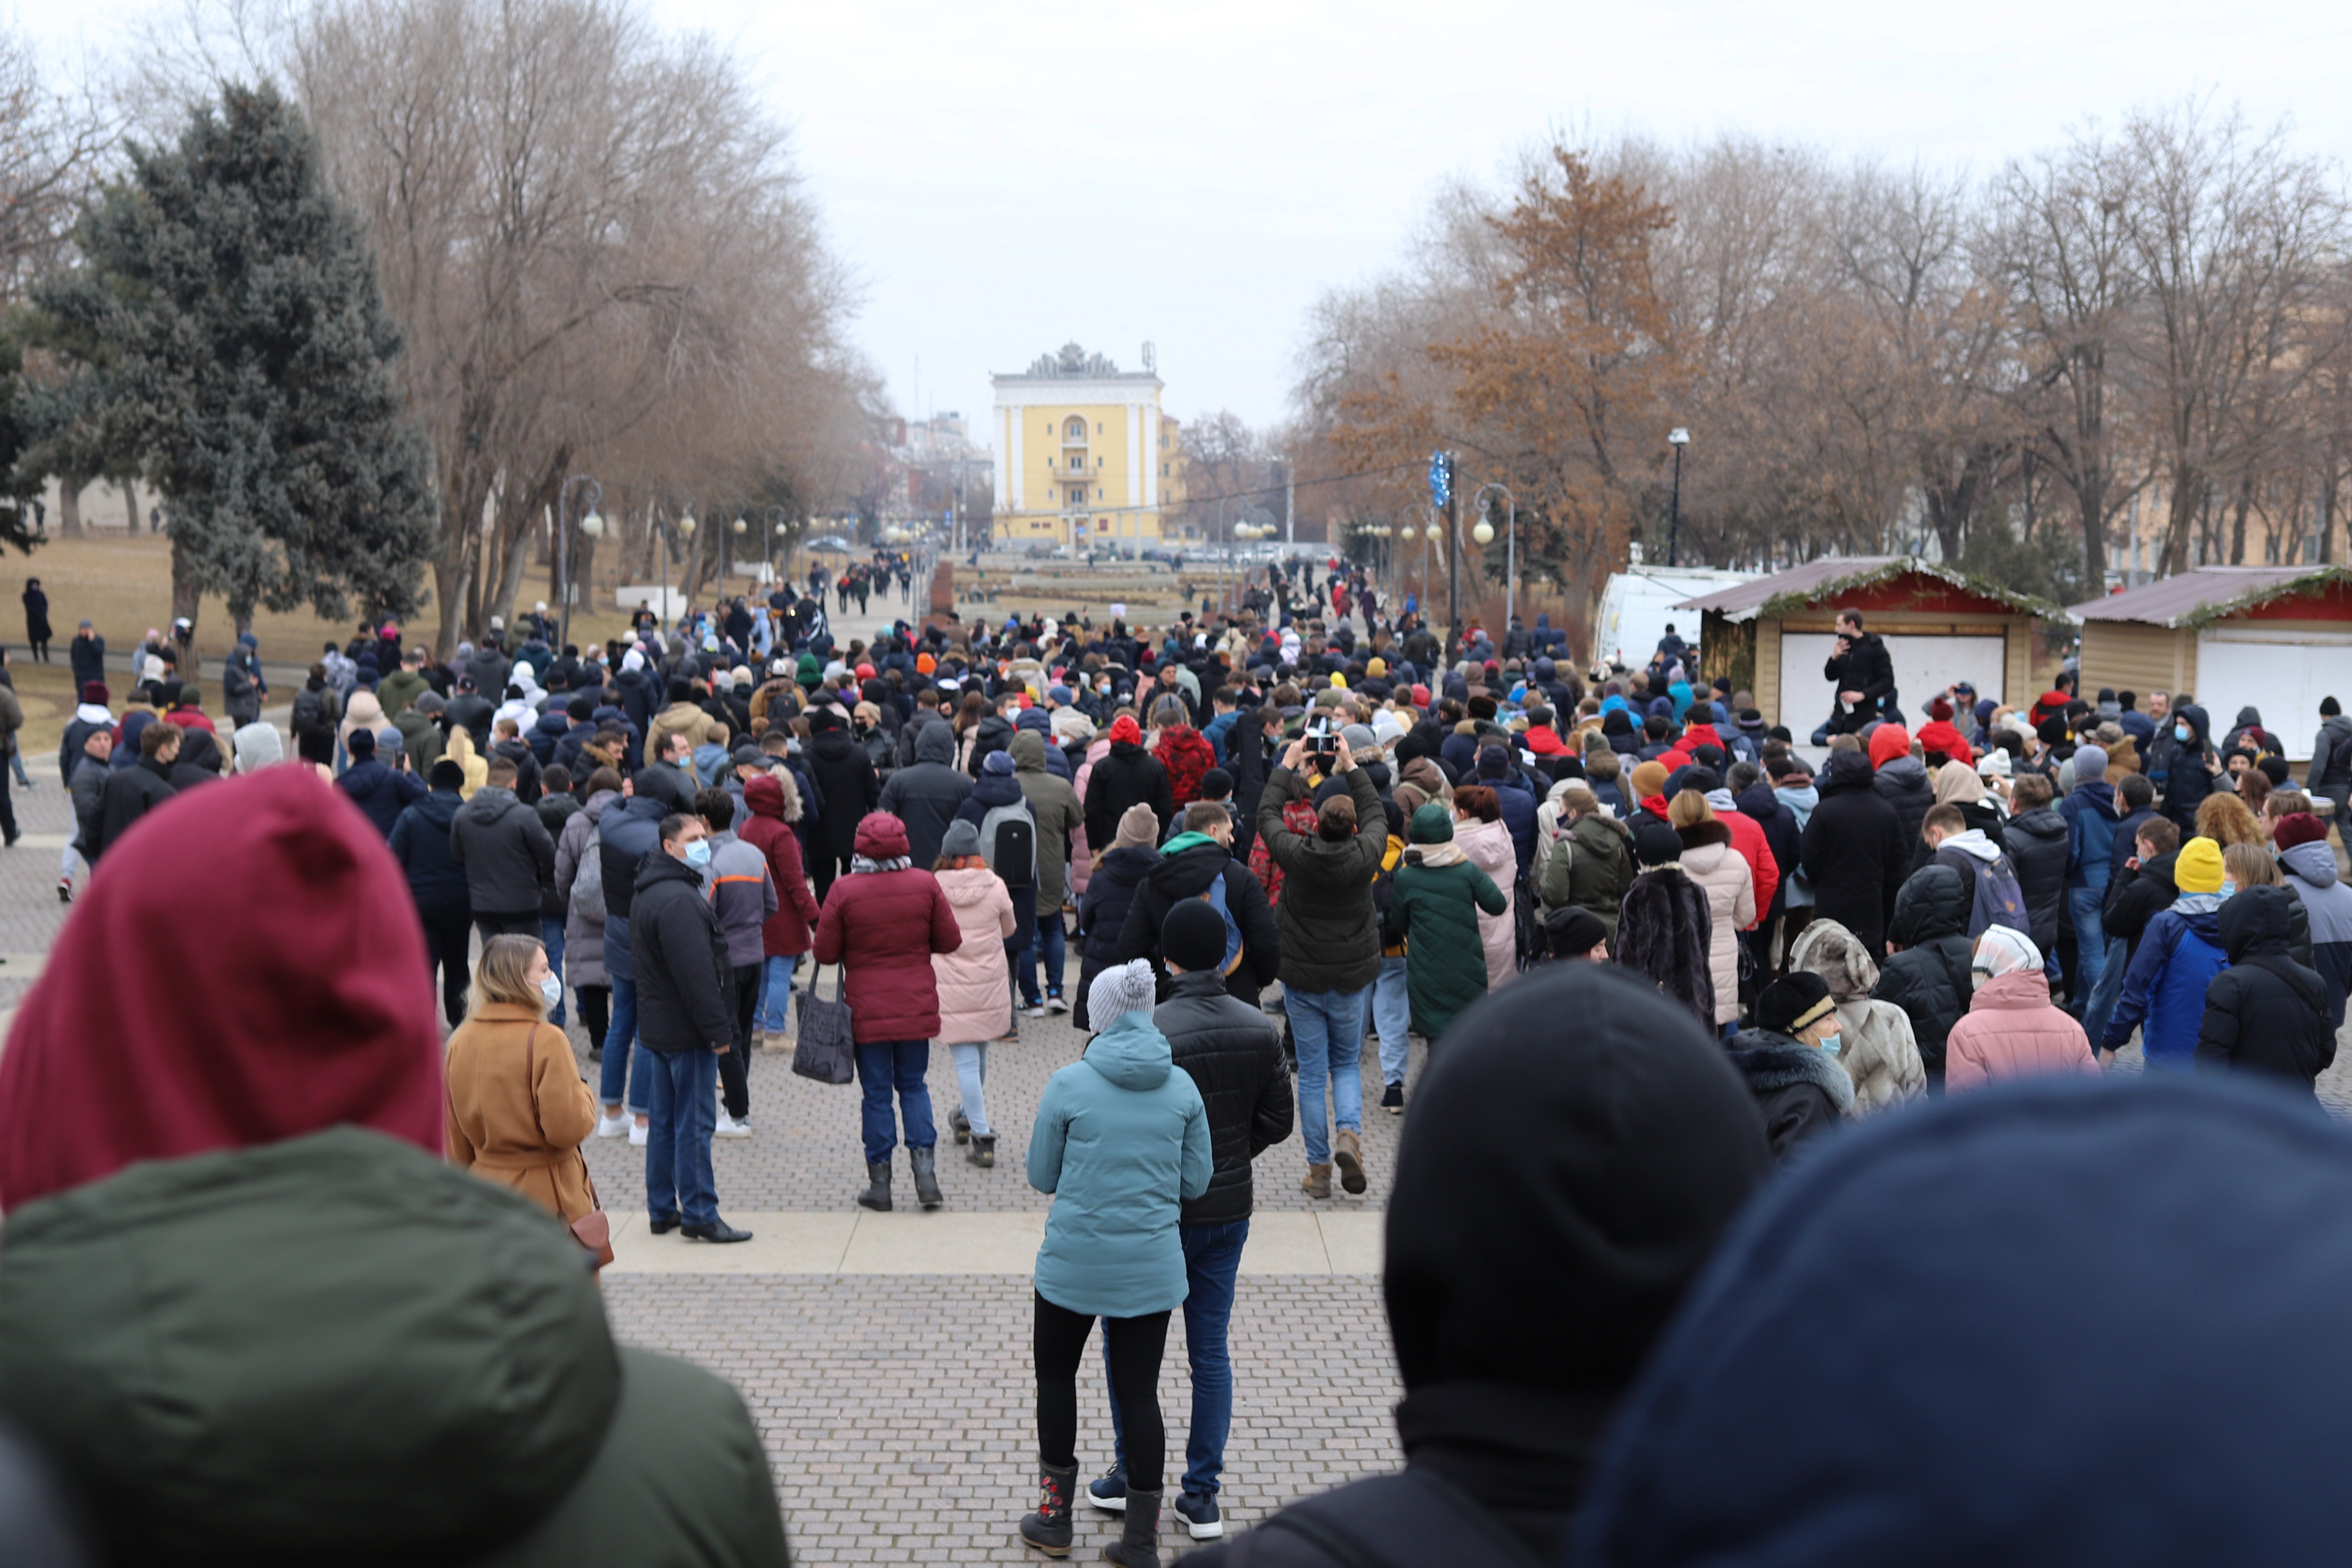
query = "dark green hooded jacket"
{"x": 337, "y": 1348}
{"x": 1435, "y": 908}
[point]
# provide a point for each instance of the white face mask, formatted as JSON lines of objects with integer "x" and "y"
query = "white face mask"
{"x": 551, "y": 988}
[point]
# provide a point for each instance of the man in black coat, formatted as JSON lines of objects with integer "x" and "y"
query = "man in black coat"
{"x": 1233, "y": 1053}
{"x": 1928, "y": 974}
{"x": 2035, "y": 842}
{"x": 2265, "y": 1012}
{"x": 925, "y": 796}
{"x": 1861, "y": 672}
{"x": 850, "y": 787}
{"x": 1853, "y": 852}
{"x": 507, "y": 855}
{"x": 132, "y": 791}
{"x": 685, "y": 1018}
{"x": 1125, "y": 775}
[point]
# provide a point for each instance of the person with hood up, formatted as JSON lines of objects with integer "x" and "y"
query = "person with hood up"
{"x": 1789, "y": 1061}
{"x": 771, "y": 804}
{"x": 581, "y": 892}
{"x": 508, "y": 856}
{"x": 1927, "y": 973}
{"x": 1199, "y": 863}
{"x": 1709, "y": 861}
{"x": 1123, "y": 775}
{"x": 517, "y": 1110}
{"x": 1876, "y": 1045}
{"x": 1330, "y": 940}
{"x": 1119, "y": 870}
{"x": 1900, "y": 778}
{"x": 1480, "y": 833}
{"x": 421, "y": 844}
{"x": 2090, "y": 818}
{"x": 344, "y": 1350}
{"x": 243, "y": 690}
{"x": 36, "y": 620}
{"x": 887, "y": 921}
{"x": 2191, "y": 768}
{"x": 974, "y": 980}
{"x": 1060, "y": 818}
{"x": 1854, "y": 851}
{"x": 2182, "y": 1217}
{"x": 925, "y": 796}
{"x": 2012, "y": 1030}
{"x": 380, "y": 791}
{"x": 1961, "y": 786}
{"x": 850, "y": 787}
{"x": 1121, "y": 1141}
{"x": 1498, "y": 1225}
{"x": 2265, "y": 1012}
{"x": 1181, "y": 749}
{"x": 2178, "y": 954}
{"x": 2308, "y": 865}
{"x": 1433, "y": 906}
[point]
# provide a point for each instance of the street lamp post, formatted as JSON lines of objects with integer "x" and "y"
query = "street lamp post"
{"x": 772, "y": 524}
{"x": 592, "y": 525}
{"x": 1678, "y": 438}
{"x": 1484, "y": 532}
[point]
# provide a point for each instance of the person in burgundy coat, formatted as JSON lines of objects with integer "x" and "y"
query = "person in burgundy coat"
{"x": 882, "y": 924}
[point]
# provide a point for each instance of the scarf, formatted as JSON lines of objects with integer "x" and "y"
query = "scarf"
{"x": 1434, "y": 855}
{"x": 859, "y": 866}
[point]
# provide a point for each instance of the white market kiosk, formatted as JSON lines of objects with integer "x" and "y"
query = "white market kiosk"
{"x": 1773, "y": 634}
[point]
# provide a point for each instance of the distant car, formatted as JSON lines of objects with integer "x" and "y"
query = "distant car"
{"x": 833, "y": 542}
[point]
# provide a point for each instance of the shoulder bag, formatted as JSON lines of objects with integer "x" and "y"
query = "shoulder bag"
{"x": 825, "y": 1048}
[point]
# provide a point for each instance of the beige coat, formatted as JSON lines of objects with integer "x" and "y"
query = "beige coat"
{"x": 1722, "y": 874}
{"x": 512, "y": 1125}
{"x": 1876, "y": 1045}
{"x": 1489, "y": 848}
{"x": 680, "y": 719}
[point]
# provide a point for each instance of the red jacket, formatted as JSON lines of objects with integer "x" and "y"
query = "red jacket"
{"x": 888, "y": 923}
{"x": 1747, "y": 838}
{"x": 785, "y": 934}
{"x": 1544, "y": 742}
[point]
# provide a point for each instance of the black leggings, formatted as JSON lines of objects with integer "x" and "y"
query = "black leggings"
{"x": 1135, "y": 1345}
{"x": 596, "y": 1013}
{"x": 735, "y": 1067}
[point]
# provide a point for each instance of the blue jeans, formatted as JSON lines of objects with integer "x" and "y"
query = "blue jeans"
{"x": 775, "y": 995}
{"x": 683, "y": 1109}
{"x": 2090, "y": 940}
{"x": 885, "y": 1065}
{"x": 1392, "y": 1019}
{"x": 619, "y": 1043}
{"x": 550, "y": 937}
{"x": 2109, "y": 990}
{"x": 1327, "y": 1027}
{"x": 1048, "y": 936}
{"x": 1213, "y": 1259}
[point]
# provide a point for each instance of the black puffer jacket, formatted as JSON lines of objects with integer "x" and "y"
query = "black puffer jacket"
{"x": 1854, "y": 850}
{"x": 1929, "y": 978}
{"x": 2265, "y": 1012}
{"x": 507, "y": 854}
{"x": 849, "y": 785}
{"x": 684, "y": 985}
{"x": 1102, "y": 912}
{"x": 1126, "y": 775}
{"x": 1187, "y": 875}
{"x": 1234, "y": 1053}
{"x": 2036, "y": 843}
{"x": 1331, "y": 926}
{"x": 1903, "y": 782}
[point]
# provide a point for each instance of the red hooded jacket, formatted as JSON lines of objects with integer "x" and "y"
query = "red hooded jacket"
{"x": 788, "y": 932}
{"x": 888, "y": 925}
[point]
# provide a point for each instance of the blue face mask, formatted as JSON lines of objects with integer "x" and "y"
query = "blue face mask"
{"x": 1831, "y": 1045}
{"x": 697, "y": 854}
{"x": 2181, "y": 733}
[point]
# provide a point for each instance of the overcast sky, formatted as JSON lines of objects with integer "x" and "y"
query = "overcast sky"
{"x": 1006, "y": 178}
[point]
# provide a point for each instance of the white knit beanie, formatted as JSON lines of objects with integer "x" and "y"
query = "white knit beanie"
{"x": 1130, "y": 988}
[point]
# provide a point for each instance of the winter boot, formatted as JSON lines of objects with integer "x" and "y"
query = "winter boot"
{"x": 983, "y": 1150}
{"x": 927, "y": 1177}
{"x": 1048, "y": 1530}
{"x": 962, "y": 1125}
{"x": 1317, "y": 1183}
{"x": 1347, "y": 1153}
{"x": 877, "y": 1195}
{"x": 1138, "y": 1545}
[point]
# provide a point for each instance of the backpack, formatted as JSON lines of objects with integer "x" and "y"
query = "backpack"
{"x": 1214, "y": 896}
{"x": 1008, "y": 842}
{"x": 1998, "y": 901}
{"x": 310, "y": 711}
{"x": 1298, "y": 817}
{"x": 588, "y": 881}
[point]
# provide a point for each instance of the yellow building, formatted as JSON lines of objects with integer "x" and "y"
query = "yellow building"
{"x": 1084, "y": 456}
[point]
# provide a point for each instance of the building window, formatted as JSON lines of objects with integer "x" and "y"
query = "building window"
{"x": 1163, "y": 443}
{"x": 1098, "y": 495}
{"x": 1099, "y": 428}
{"x": 1075, "y": 429}
{"x": 1163, "y": 470}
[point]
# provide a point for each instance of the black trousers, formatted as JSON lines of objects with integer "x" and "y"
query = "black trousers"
{"x": 1135, "y": 1346}
{"x": 823, "y": 868}
{"x": 596, "y": 1013}
{"x": 735, "y": 1067}
{"x": 448, "y": 943}
{"x": 525, "y": 924}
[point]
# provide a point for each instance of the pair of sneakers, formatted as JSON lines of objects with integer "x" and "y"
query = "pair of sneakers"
{"x": 1197, "y": 1510}
{"x": 1050, "y": 1004}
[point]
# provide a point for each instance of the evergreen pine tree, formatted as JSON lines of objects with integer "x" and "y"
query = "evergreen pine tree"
{"x": 231, "y": 339}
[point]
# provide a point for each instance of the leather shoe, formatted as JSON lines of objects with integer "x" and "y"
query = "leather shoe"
{"x": 664, "y": 1226}
{"x": 716, "y": 1230}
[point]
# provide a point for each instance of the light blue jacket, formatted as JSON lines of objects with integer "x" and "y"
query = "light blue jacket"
{"x": 1121, "y": 1140}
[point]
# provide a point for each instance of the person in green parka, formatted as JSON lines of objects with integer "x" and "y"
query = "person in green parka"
{"x": 1434, "y": 908}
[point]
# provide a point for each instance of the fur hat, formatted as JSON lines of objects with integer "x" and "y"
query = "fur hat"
{"x": 1793, "y": 1001}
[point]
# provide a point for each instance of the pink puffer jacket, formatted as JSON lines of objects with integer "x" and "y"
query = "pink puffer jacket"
{"x": 2013, "y": 1030}
{"x": 975, "y": 980}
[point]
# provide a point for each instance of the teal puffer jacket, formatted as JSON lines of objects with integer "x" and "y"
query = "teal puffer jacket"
{"x": 1121, "y": 1141}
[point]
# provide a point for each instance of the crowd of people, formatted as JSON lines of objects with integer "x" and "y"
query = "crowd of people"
{"x": 1650, "y": 951}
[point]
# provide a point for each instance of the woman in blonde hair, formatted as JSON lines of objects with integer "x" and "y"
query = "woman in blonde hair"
{"x": 462, "y": 751}
{"x": 515, "y": 1108}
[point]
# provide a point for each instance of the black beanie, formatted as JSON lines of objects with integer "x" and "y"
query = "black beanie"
{"x": 449, "y": 773}
{"x": 1193, "y": 938}
{"x": 1791, "y": 1002}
